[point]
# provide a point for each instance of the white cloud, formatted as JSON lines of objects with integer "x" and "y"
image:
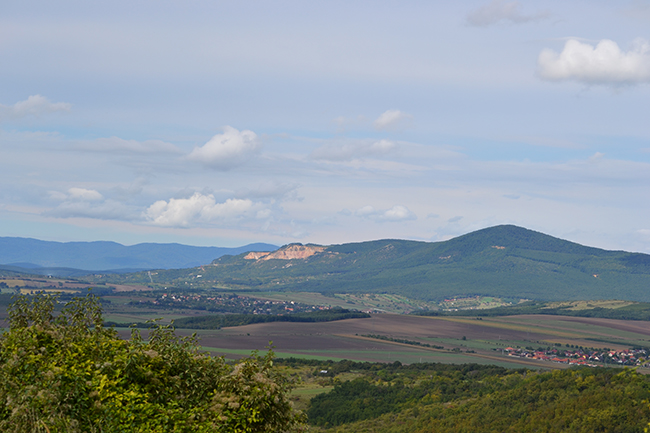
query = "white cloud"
{"x": 76, "y": 194}
{"x": 603, "y": 64}
{"x": 352, "y": 149}
{"x": 227, "y": 150}
{"x": 366, "y": 211}
{"x": 34, "y": 105}
{"x": 396, "y": 213}
{"x": 84, "y": 194}
{"x": 115, "y": 144}
{"x": 199, "y": 208}
{"x": 501, "y": 11}
{"x": 391, "y": 119}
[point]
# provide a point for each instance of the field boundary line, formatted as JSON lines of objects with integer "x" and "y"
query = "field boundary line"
{"x": 411, "y": 346}
{"x": 510, "y": 326}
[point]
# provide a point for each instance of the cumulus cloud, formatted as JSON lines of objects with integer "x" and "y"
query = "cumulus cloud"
{"x": 396, "y": 213}
{"x": 391, "y": 119}
{"x": 227, "y": 150}
{"x": 115, "y": 144}
{"x": 605, "y": 63}
{"x": 498, "y": 11}
{"x": 349, "y": 150}
{"x": 199, "y": 208}
{"x": 35, "y": 105}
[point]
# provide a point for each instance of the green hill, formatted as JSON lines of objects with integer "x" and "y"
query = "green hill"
{"x": 505, "y": 261}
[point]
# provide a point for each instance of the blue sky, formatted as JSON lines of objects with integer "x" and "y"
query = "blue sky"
{"x": 224, "y": 123}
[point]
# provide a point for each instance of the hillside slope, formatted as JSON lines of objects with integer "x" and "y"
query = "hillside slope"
{"x": 505, "y": 261}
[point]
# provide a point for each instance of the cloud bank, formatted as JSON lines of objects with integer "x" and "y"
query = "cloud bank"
{"x": 501, "y": 11}
{"x": 84, "y": 194}
{"x": 227, "y": 150}
{"x": 35, "y": 105}
{"x": 396, "y": 213}
{"x": 116, "y": 144}
{"x": 603, "y": 64}
{"x": 88, "y": 203}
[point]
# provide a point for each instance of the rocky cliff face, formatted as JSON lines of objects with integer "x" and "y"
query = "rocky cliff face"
{"x": 289, "y": 252}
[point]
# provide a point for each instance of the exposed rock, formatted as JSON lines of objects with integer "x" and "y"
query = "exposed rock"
{"x": 255, "y": 255}
{"x": 289, "y": 252}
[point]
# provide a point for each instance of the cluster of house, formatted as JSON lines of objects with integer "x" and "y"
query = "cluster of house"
{"x": 592, "y": 358}
{"x": 234, "y": 303}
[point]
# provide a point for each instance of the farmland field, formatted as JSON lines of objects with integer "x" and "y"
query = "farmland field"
{"x": 458, "y": 340}
{"x": 384, "y": 337}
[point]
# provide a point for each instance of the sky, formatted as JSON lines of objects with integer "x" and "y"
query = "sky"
{"x": 229, "y": 122}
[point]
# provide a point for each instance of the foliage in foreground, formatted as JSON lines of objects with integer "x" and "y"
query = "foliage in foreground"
{"x": 71, "y": 374}
{"x": 584, "y": 400}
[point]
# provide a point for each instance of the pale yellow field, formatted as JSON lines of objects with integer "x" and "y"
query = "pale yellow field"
{"x": 587, "y": 305}
{"x": 13, "y": 283}
{"x": 32, "y": 291}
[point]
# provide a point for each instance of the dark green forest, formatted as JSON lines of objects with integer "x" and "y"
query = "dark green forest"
{"x": 226, "y": 320}
{"x": 476, "y": 398}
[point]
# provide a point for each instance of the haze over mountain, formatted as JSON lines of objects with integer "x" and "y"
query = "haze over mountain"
{"x": 100, "y": 256}
{"x": 506, "y": 261}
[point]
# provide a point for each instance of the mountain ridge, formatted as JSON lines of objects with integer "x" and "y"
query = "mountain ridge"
{"x": 504, "y": 261}
{"x": 108, "y": 255}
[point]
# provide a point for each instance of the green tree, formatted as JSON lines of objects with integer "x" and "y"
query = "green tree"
{"x": 66, "y": 372}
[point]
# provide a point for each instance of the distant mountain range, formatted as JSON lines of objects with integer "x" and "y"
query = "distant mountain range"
{"x": 36, "y": 256}
{"x": 505, "y": 261}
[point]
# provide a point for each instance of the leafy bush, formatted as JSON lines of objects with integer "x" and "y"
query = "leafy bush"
{"x": 69, "y": 373}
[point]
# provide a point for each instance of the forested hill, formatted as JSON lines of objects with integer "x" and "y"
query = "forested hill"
{"x": 506, "y": 261}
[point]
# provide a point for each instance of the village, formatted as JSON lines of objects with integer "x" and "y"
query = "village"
{"x": 229, "y": 303}
{"x": 583, "y": 357}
